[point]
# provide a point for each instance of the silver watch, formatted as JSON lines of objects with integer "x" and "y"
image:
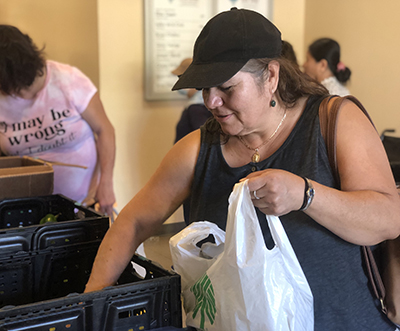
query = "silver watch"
{"x": 309, "y": 193}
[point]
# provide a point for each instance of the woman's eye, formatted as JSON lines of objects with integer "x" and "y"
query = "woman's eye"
{"x": 227, "y": 88}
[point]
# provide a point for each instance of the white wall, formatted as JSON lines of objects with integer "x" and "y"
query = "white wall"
{"x": 368, "y": 33}
{"x": 289, "y": 18}
{"x": 145, "y": 130}
{"x": 68, "y": 29}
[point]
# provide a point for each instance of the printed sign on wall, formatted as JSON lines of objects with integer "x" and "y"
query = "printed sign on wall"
{"x": 171, "y": 29}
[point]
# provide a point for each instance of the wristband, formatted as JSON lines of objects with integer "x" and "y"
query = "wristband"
{"x": 309, "y": 193}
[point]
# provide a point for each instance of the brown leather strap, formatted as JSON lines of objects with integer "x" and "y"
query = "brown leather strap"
{"x": 328, "y": 113}
{"x": 328, "y": 116}
{"x": 374, "y": 276}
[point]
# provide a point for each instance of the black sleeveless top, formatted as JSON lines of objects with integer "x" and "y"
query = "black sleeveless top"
{"x": 333, "y": 267}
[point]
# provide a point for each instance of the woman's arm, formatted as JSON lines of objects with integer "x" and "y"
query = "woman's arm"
{"x": 366, "y": 210}
{"x": 97, "y": 119}
{"x": 140, "y": 218}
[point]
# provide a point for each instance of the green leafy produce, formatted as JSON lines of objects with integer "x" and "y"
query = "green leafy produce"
{"x": 49, "y": 218}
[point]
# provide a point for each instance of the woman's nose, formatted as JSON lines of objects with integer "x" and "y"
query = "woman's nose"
{"x": 212, "y": 98}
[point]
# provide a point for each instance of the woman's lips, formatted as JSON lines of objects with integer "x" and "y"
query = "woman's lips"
{"x": 223, "y": 118}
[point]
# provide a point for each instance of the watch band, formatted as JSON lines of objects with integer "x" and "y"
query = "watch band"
{"x": 309, "y": 193}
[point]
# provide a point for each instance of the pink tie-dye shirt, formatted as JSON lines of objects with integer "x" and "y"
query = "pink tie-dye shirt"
{"x": 50, "y": 127}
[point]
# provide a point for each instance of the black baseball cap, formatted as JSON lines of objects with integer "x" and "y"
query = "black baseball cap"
{"x": 224, "y": 46}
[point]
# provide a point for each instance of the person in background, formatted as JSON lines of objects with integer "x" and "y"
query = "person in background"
{"x": 266, "y": 129}
{"x": 324, "y": 65}
{"x": 52, "y": 111}
{"x": 289, "y": 53}
{"x": 195, "y": 113}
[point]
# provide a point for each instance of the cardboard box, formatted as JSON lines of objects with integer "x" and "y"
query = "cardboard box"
{"x": 25, "y": 177}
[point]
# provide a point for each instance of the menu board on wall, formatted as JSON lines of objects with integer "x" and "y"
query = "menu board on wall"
{"x": 171, "y": 28}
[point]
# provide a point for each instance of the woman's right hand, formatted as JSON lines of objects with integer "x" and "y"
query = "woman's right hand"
{"x": 277, "y": 192}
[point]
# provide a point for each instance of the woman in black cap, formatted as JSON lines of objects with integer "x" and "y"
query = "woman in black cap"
{"x": 266, "y": 128}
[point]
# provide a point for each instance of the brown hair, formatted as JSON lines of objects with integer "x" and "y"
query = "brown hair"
{"x": 293, "y": 83}
{"x": 288, "y": 52}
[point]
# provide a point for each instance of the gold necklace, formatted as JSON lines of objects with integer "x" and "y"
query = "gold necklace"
{"x": 256, "y": 156}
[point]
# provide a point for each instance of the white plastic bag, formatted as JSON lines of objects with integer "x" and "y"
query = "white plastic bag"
{"x": 186, "y": 256}
{"x": 250, "y": 287}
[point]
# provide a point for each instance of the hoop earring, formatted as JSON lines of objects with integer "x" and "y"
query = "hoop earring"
{"x": 272, "y": 103}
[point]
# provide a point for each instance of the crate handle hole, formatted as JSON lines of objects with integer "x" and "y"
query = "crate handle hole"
{"x": 125, "y": 314}
{"x": 140, "y": 311}
{"x": 130, "y": 313}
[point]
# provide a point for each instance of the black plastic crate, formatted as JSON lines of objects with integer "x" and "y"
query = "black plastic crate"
{"x": 28, "y": 277}
{"x": 16, "y": 279}
{"x": 135, "y": 303}
{"x": 20, "y": 229}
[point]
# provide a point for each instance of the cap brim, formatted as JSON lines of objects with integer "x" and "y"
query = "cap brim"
{"x": 201, "y": 76}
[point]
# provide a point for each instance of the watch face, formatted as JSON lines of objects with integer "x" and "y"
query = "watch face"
{"x": 308, "y": 194}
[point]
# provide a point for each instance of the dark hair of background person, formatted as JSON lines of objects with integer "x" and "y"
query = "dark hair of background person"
{"x": 288, "y": 52}
{"x": 329, "y": 49}
{"x": 20, "y": 60}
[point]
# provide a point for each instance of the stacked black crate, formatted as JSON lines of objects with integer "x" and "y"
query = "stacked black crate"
{"x": 44, "y": 268}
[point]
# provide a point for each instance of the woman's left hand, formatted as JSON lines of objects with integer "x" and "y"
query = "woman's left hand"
{"x": 96, "y": 117}
{"x": 276, "y": 192}
{"x": 105, "y": 198}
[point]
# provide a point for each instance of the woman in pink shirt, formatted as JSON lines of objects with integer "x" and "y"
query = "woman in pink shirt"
{"x": 52, "y": 111}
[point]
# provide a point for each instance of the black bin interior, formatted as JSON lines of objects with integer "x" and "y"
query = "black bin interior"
{"x": 50, "y": 274}
{"x": 47, "y": 294}
{"x": 29, "y": 211}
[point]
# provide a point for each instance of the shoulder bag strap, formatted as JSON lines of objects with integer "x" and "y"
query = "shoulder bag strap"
{"x": 328, "y": 115}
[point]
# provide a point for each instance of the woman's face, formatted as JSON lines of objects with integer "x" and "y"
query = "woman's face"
{"x": 239, "y": 104}
{"x": 311, "y": 66}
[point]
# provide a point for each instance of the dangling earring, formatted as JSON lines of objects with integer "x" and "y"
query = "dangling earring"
{"x": 273, "y": 103}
